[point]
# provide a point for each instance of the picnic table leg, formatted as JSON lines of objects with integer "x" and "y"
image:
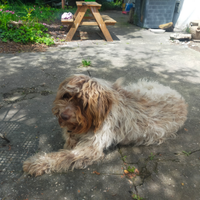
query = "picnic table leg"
{"x": 77, "y": 11}
{"x": 76, "y": 23}
{"x": 101, "y": 23}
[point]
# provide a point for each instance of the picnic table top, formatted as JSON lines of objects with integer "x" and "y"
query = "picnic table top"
{"x": 80, "y": 3}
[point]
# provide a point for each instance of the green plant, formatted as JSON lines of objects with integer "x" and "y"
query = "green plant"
{"x": 187, "y": 30}
{"x": 30, "y": 21}
{"x": 151, "y": 156}
{"x": 111, "y": 5}
{"x": 123, "y": 158}
{"x": 131, "y": 169}
{"x": 137, "y": 197}
{"x": 86, "y": 63}
{"x": 187, "y": 153}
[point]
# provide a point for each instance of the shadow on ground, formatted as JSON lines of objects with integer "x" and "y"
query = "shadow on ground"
{"x": 28, "y": 86}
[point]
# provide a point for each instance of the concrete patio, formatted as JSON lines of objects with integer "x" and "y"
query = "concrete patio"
{"x": 28, "y": 84}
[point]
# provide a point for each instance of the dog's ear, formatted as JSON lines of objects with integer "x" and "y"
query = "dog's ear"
{"x": 97, "y": 101}
{"x": 118, "y": 83}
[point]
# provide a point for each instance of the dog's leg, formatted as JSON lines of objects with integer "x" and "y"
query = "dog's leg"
{"x": 71, "y": 141}
{"x": 84, "y": 154}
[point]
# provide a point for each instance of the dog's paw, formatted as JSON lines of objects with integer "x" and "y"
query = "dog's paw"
{"x": 35, "y": 167}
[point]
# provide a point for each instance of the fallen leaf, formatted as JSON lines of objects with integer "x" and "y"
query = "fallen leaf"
{"x": 95, "y": 172}
{"x": 125, "y": 171}
{"x": 9, "y": 147}
{"x": 185, "y": 129}
{"x": 131, "y": 175}
{"x": 79, "y": 191}
{"x": 137, "y": 171}
{"x": 182, "y": 183}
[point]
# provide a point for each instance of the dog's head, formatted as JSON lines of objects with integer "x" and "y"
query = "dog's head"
{"x": 82, "y": 103}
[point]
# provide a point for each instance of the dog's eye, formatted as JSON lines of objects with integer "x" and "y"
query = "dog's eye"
{"x": 67, "y": 96}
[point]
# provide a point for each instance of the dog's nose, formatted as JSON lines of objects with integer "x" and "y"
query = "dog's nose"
{"x": 65, "y": 116}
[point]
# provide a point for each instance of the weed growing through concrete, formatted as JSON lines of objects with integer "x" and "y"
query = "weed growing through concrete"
{"x": 131, "y": 169}
{"x": 151, "y": 156}
{"x": 123, "y": 158}
{"x": 187, "y": 30}
{"x": 137, "y": 197}
{"x": 86, "y": 63}
{"x": 187, "y": 153}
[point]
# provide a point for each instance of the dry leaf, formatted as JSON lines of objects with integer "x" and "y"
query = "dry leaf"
{"x": 125, "y": 171}
{"x": 95, "y": 172}
{"x": 136, "y": 171}
{"x": 79, "y": 191}
{"x": 185, "y": 129}
{"x": 182, "y": 183}
{"x": 131, "y": 175}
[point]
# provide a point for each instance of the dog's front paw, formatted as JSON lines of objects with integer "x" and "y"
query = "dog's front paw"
{"x": 35, "y": 167}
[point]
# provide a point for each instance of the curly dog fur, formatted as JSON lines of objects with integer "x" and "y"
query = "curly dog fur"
{"x": 95, "y": 114}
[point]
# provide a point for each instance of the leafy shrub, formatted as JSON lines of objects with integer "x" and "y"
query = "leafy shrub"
{"x": 29, "y": 31}
{"x": 32, "y": 17}
{"x": 111, "y": 5}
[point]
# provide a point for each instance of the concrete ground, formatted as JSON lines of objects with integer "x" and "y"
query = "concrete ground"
{"x": 28, "y": 84}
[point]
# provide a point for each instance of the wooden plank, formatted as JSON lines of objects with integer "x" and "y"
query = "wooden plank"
{"x": 89, "y": 23}
{"x": 88, "y": 17}
{"x": 108, "y": 20}
{"x": 101, "y": 23}
{"x": 67, "y": 21}
{"x": 77, "y": 11}
{"x": 95, "y": 4}
{"x": 76, "y": 23}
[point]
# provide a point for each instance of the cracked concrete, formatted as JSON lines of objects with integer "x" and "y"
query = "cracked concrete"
{"x": 28, "y": 84}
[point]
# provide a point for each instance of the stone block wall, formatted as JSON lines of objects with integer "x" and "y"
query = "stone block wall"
{"x": 155, "y": 12}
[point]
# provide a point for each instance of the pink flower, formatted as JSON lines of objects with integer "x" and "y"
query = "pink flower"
{"x": 10, "y": 11}
{"x": 34, "y": 9}
{"x": 34, "y": 5}
{"x": 44, "y": 24}
{"x": 13, "y": 12}
{"x": 0, "y": 9}
{"x": 41, "y": 11}
{"x": 7, "y": 10}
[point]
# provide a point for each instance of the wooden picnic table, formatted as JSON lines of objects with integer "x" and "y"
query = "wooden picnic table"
{"x": 79, "y": 17}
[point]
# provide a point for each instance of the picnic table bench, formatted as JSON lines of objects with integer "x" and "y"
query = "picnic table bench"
{"x": 79, "y": 18}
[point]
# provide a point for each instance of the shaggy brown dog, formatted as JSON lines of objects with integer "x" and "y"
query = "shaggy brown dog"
{"x": 95, "y": 114}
